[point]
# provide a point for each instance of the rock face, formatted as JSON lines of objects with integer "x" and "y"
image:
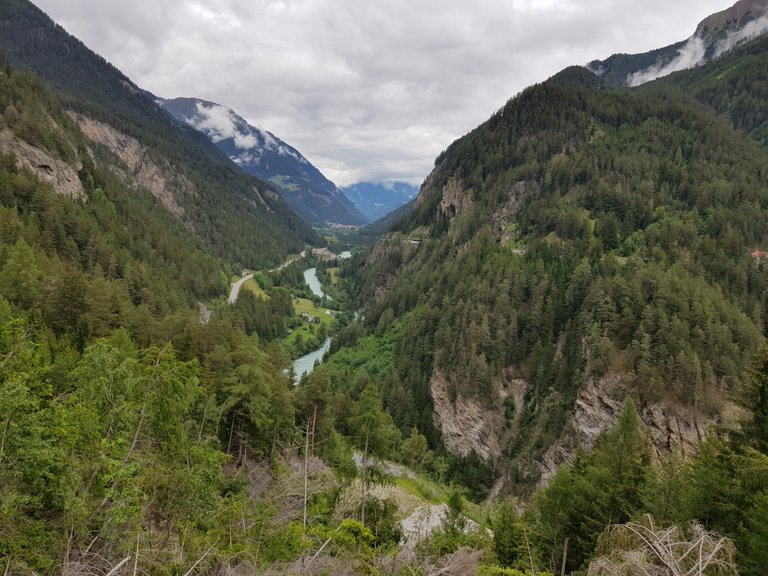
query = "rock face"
{"x": 141, "y": 169}
{"x": 466, "y": 424}
{"x": 428, "y": 518}
{"x": 58, "y": 174}
{"x": 597, "y": 409}
{"x": 732, "y": 18}
{"x": 455, "y": 199}
{"x": 506, "y": 214}
{"x": 392, "y": 252}
{"x": 469, "y": 425}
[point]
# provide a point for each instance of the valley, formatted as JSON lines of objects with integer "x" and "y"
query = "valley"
{"x": 308, "y": 315}
{"x": 550, "y": 358}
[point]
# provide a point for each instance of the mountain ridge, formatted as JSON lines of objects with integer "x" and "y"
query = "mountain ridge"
{"x": 262, "y": 154}
{"x": 376, "y": 200}
{"x": 733, "y": 18}
{"x": 713, "y": 36}
{"x": 236, "y": 216}
{"x": 573, "y": 182}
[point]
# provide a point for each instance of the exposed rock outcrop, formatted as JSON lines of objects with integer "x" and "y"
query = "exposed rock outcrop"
{"x": 732, "y": 18}
{"x": 141, "y": 169}
{"x": 670, "y": 428}
{"x": 515, "y": 387}
{"x": 470, "y": 424}
{"x": 58, "y": 174}
{"x": 455, "y": 199}
{"x": 507, "y": 213}
{"x": 467, "y": 424}
{"x": 388, "y": 259}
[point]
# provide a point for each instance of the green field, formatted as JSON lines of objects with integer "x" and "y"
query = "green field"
{"x": 251, "y": 285}
{"x": 306, "y": 330}
{"x": 254, "y": 287}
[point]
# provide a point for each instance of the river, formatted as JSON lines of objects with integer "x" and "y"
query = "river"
{"x": 310, "y": 277}
{"x": 306, "y": 363}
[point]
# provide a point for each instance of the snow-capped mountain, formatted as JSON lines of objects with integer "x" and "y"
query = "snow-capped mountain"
{"x": 378, "y": 200}
{"x": 260, "y": 153}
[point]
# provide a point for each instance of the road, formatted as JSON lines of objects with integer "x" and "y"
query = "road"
{"x": 235, "y": 290}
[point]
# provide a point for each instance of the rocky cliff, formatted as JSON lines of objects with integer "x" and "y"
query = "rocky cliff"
{"x": 455, "y": 199}
{"x": 140, "y": 169}
{"x": 669, "y": 428}
{"x": 732, "y": 18}
{"x": 60, "y": 175}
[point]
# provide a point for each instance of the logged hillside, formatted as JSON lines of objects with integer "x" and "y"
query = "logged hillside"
{"x": 580, "y": 246}
{"x": 235, "y": 216}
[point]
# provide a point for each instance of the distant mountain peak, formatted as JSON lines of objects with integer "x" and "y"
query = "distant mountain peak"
{"x": 376, "y": 200}
{"x": 220, "y": 123}
{"x": 260, "y": 153}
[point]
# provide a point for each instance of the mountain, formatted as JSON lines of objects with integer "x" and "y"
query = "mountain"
{"x": 590, "y": 257}
{"x": 378, "y": 200}
{"x": 734, "y": 86}
{"x": 732, "y": 19}
{"x": 713, "y": 37}
{"x": 576, "y": 300}
{"x": 582, "y": 245}
{"x": 233, "y": 215}
{"x": 262, "y": 154}
{"x": 107, "y": 361}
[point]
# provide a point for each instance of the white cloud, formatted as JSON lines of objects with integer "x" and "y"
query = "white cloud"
{"x": 693, "y": 52}
{"x": 751, "y": 30}
{"x": 245, "y": 141}
{"x": 216, "y": 121}
{"x": 220, "y": 123}
{"x": 365, "y": 90}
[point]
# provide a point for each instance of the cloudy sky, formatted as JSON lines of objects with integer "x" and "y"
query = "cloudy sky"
{"x": 367, "y": 90}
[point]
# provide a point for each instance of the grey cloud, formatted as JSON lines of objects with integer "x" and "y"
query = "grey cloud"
{"x": 365, "y": 90}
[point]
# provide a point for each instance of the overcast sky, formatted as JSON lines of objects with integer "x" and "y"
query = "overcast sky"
{"x": 367, "y": 90}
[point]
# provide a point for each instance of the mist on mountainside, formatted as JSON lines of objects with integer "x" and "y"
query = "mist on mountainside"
{"x": 697, "y": 51}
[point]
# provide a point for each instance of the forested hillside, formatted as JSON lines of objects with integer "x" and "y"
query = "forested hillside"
{"x": 582, "y": 233}
{"x": 582, "y": 246}
{"x": 229, "y": 211}
{"x": 734, "y": 86}
{"x": 558, "y": 366}
{"x": 114, "y": 397}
